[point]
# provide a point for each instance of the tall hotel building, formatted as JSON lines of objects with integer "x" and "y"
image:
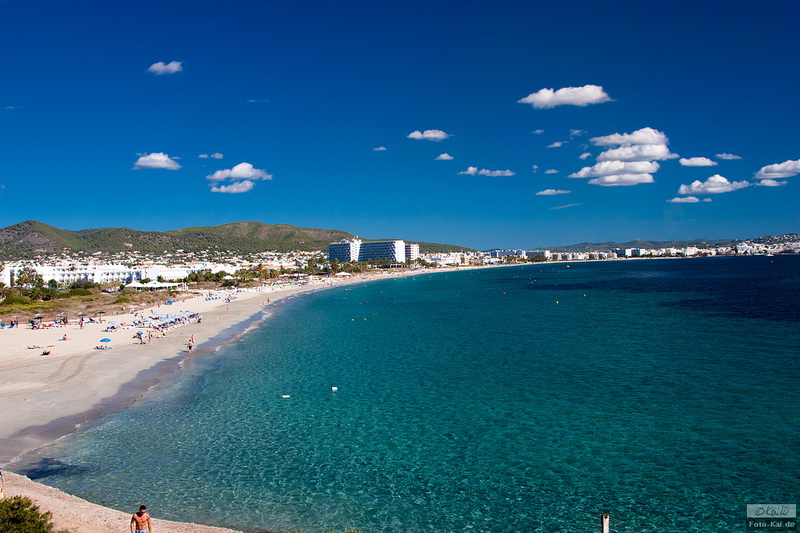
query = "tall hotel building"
{"x": 344, "y": 250}
{"x": 412, "y": 251}
{"x": 358, "y": 251}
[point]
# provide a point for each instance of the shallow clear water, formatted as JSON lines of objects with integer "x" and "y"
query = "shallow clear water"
{"x": 517, "y": 399}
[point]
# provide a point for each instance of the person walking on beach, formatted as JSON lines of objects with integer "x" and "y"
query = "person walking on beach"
{"x": 190, "y": 344}
{"x": 140, "y": 521}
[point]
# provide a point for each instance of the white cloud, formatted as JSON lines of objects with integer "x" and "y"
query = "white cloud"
{"x": 155, "y": 160}
{"x": 557, "y": 144}
{"x": 697, "y": 162}
{"x": 771, "y": 183}
{"x": 535, "y": 168}
{"x": 609, "y": 168}
{"x": 538, "y": 132}
{"x": 552, "y": 192}
{"x": 564, "y": 206}
{"x": 621, "y": 180}
{"x": 379, "y": 149}
{"x": 215, "y": 155}
{"x": 684, "y": 200}
{"x": 234, "y": 188}
{"x": 472, "y": 171}
{"x": 728, "y": 156}
{"x": 444, "y": 157}
{"x": 639, "y": 152}
{"x": 578, "y": 96}
{"x": 165, "y": 68}
{"x": 494, "y": 173}
{"x": 429, "y": 135}
{"x": 716, "y": 184}
{"x": 576, "y": 133}
{"x": 641, "y": 136}
{"x": 240, "y": 171}
{"x": 646, "y": 144}
{"x": 551, "y": 171}
{"x": 786, "y": 169}
{"x": 585, "y": 155}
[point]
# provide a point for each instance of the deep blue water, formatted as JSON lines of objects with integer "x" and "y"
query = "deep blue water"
{"x": 506, "y": 400}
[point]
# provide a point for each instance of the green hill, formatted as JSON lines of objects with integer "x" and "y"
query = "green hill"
{"x": 31, "y": 238}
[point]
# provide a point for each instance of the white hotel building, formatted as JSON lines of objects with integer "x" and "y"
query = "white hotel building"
{"x": 358, "y": 251}
{"x": 68, "y": 272}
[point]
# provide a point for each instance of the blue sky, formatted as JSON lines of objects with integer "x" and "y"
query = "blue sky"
{"x": 562, "y": 122}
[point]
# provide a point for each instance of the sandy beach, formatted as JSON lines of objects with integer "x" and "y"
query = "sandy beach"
{"x": 45, "y": 397}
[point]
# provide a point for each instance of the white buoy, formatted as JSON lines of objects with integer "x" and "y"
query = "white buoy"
{"x": 334, "y": 389}
{"x": 285, "y": 396}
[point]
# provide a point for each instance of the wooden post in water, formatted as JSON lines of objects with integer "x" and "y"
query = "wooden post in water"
{"x": 605, "y": 519}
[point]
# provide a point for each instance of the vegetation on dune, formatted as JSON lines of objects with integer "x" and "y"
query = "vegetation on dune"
{"x": 26, "y": 302}
{"x": 19, "y": 514}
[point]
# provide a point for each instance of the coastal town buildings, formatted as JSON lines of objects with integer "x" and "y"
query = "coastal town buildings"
{"x": 132, "y": 266}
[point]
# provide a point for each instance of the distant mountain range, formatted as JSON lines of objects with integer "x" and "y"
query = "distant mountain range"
{"x": 604, "y": 246}
{"x": 31, "y": 238}
{"x": 657, "y": 245}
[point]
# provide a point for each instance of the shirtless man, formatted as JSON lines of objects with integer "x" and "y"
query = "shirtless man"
{"x": 140, "y": 521}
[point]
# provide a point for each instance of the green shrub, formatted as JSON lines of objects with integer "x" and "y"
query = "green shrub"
{"x": 20, "y": 515}
{"x": 122, "y": 300}
{"x": 15, "y": 300}
{"x": 79, "y": 292}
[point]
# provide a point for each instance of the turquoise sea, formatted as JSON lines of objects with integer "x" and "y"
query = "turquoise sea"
{"x": 515, "y": 399}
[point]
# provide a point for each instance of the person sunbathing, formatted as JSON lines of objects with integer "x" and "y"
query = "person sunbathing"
{"x": 46, "y": 352}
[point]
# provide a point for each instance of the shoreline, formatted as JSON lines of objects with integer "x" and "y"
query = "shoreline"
{"x": 50, "y": 397}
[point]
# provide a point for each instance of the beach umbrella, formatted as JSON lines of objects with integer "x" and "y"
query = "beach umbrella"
{"x": 105, "y": 340}
{"x": 82, "y": 313}
{"x": 39, "y": 315}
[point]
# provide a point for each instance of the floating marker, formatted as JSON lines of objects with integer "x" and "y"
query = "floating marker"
{"x": 285, "y": 396}
{"x": 334, "y": 389}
